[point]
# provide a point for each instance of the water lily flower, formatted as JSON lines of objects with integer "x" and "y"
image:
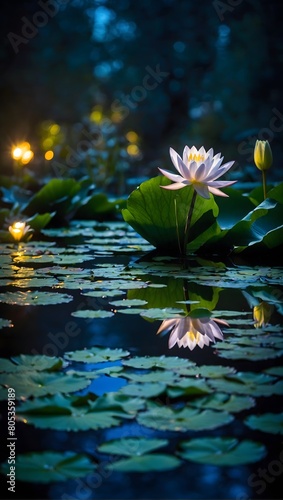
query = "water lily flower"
{"x": 190, "y": 332}
{"x": 18, "y": 230}
{"x": 263, "y": 155}
{"x": 262, "y": 314}
{"x": 199, "y": 168}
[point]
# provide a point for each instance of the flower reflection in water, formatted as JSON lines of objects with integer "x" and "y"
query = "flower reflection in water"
{"x": 190, "y": 332}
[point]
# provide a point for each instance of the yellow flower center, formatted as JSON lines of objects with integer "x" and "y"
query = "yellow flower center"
{"x": 196, "y": 157}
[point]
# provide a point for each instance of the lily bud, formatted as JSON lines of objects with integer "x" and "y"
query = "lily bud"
{"x": 263, "y": 155}
{"x": 262, "y": 313}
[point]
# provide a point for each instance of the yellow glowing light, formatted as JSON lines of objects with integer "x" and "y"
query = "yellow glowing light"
{"x": 27, "y": 157}
{"x": 132, "y": 136}
{"x": 47, "y": 143}
{"x": 25, "y": 146}
{"x": 54, "y": 129}
{"x": 96, "y": 116}
{"x": 18, "y": 230}
{"x": 17, "y": 153}
{"x": 133, "y": 150}
{"x": 116, "y": 117}
{"x": 49, "y": 155}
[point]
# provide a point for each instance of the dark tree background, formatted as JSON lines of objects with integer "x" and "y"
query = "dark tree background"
{"x": 217, "y": 66}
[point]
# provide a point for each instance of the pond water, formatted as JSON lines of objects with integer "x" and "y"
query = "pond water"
{"x": 113, "y": 399}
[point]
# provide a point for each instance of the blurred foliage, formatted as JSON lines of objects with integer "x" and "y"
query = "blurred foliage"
{"x": 173, "y": 72}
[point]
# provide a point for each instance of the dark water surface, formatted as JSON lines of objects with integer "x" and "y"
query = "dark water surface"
{"x": 227, "y": 291}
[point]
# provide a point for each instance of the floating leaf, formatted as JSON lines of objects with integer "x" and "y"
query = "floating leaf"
{"x": 186, "y": 419}
{"x": 78, "y": 414}
{"x": 96, "y": 355}
{"x": 252, "y": 384}
{"x": 35, "y": 298}
{"x": 252, "y": 353}
{"x": 268, "y": 422}
{"x": 188, "y": 387}
{"x": 26, "y": 362}
{"x": 40, "y": 383}
{"x": 50, "y": 466}
{"x": 226, "y": 402}
{"x": 131, "y": 446}
{"x": 146, "y": 463}
{"x": 145, "y": 390}
{"x": 222, "y": 451}
{"x": 129, "y": 302}
{"x": 165, "y": 362}
{"x": 5, "y": 323}
{"x": 87, "y": 313}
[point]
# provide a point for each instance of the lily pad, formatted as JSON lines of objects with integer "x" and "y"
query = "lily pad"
{"x": 50, "y": 466}
{"x": 222, "y": 451}
{"x": 165, "y": 362}
{"x": 26, "y": 362}
{"x": 5, "y": 323}
{"x": 96, "y": 355}
{"x": 128, "y": 302}
{"x": 226, "y": 402}
{"x": 159, "y": 215}
{"x": 35, "y": 298}
{"x": 75, "y": 413}
{"x": 40, "y": 383}
{"x": 267, "y": 422}
{"x": 145, "y": 390}
{"x": 186, "y": 419}
{"x": 132, "y": 446}
{"x": 89, "y": 314}
{"x": 146, "y": 463}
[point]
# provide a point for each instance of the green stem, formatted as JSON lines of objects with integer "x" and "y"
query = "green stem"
{"x": 188, "y": 222}
{"x": 264, "y": 184}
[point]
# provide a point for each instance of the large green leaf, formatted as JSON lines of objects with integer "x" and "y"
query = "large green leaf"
{"x": 160, "y": 215}
{"x": 223, "y": 451}
{"x": 57, "y": 195}
{"x": 50, "y": 466}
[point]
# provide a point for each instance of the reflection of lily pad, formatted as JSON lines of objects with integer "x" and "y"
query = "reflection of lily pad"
{"x": 146, "y": 463}
{"x": 50, "y": 466}
{"x": 268, "y": 422}
{"x": 222, "y": 451}
{"x": 96, "y": 355}
{"x": 34, "y": 298}
{"x": 131, "y": 446}
{"x": 187, "y": 419}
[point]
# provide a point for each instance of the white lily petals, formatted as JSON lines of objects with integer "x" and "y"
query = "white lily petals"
{"x": 199, "y": 168}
